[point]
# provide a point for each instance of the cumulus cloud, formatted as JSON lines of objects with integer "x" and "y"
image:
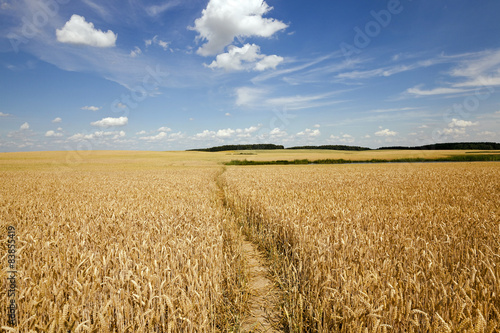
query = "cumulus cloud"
{"x": 91, "y": 108}
{"x": 53, "y": 134}
{"x": 164, "y": 129}
{"x": 228, "y": 114}
{"x": 277, "y": 133}
{"x": 4, "y": 114}
{"x": 461, "y": 123}
{"x": 344, "y": 138}
{"x": 24, "y": 126}
{"x": 228, "y": 133}
{"x": 309, "y": 133}
{"x": 225, "y": 133}
{"x": 110, "y": 122}
{"x": 97, "y": 135}
{"x": 141, "y": 133}
{"x": 386, "y": 132}
{"x": 57, "y": 120}
{"x": 153, "y": 138}
{"x": 454, "y": 131}
{"x": 205, "y": 134}
{"x": 223, "y": 20}
{"x": 80, "y": 32}
{"x": 245, "y": 58}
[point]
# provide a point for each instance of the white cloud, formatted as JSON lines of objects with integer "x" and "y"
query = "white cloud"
{"x": 141, "y": 133}
{"x": 394, "y": 110}
{"x": 244, "y": 58}
{"x": 437, "y": 91}
{"x": 159, "y": 9}
{"x": 120, "y": 134}
{"x": 164, "y": 129}
{"x": 53, "y": 134}
{"x": 57, "y": 120}
{"x": 487, "y": 133}
{"x": 268, "y": 62}
{"x": 302, "y": 102}
{"x": 24, "y": 126}
{"x": 454, "y": 131}
{"x": 155, "y": 40}
{"x": 317, "y": 126}
{"x": 110, "y": 122}
{"x": 96, "y": 135}
{"x": 91, "y": 108}
{"x": 309, "y": 133}
{"x": 386, "y": 132}
{"x": 344, "y": 138}
{"x": 4, "y": 114}
{"x": 228, "y": 114}
{"x": 223, "y": 20}
{"x": 78, "y": 31}
{"x": 461, "y": 123}
{"x": 246, "y": 132}
{"x": 277, "y": 133}
{"x": 205, "y": 134}
{"x": 247, "y": 95}
{"x": 135, "y": 52}
{"x": 480, "y": 71}
{"x": 225, "y": 133}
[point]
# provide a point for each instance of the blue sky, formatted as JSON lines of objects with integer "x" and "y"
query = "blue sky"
{"x": 174, "y": 75}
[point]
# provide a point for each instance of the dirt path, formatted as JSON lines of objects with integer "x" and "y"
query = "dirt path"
{"x": 263, "y": 314}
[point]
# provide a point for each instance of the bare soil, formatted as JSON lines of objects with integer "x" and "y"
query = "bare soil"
{"x": 263, "y": 311}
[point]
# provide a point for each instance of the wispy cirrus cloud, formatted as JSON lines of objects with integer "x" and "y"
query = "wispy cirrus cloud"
{"x": 156, "y": 10}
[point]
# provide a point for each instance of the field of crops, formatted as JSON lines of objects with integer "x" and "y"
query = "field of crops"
{"x": 376, "y": 248}
{"x": 124, "y": 251}
{"x": 127, "y": 242}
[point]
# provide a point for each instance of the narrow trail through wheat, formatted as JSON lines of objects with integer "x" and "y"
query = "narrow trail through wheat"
{"x": 262, "y": 313}
{"x": 263, "y": 295}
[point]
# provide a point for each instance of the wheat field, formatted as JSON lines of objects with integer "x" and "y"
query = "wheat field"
{"x": 129, "y": 242}
{"x": 378, "y": 248}
{"x": 120, "y": 251}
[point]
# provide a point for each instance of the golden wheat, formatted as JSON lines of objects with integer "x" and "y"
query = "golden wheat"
{"x": 404, "y": 247}
{"x": 119, "y": 250}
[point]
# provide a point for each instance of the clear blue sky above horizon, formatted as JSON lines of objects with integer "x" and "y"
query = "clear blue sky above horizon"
{"x": 174, "y": 75}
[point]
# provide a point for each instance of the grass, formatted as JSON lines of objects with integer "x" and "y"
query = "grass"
{"x": 454, "y": 158}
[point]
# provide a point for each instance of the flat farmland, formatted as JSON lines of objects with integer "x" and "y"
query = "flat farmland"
{"x": 152, "y": 242}
{"x": 387, "y": 247}
{"x": 118, "y": 247}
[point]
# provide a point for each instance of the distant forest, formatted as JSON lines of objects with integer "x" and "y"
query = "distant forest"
{"x": 436, "y": 146}
{"x": 241, "y": 147}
